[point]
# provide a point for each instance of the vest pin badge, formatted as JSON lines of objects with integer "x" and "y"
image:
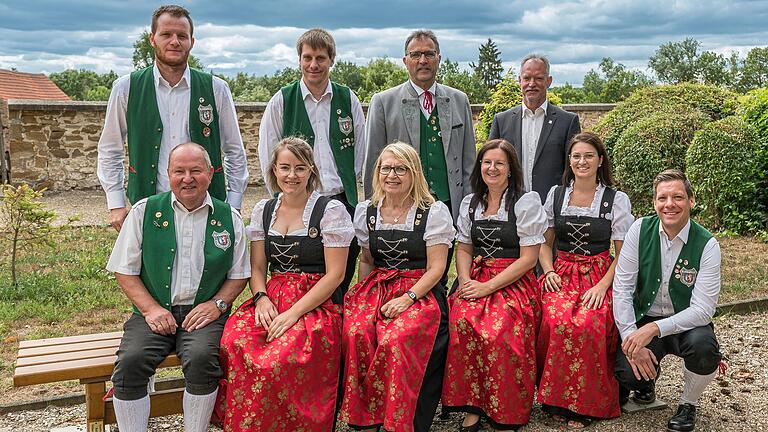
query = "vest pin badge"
{"x": 165, "y": 224}
{"x": 688, "y": 276}
{"x": 221, "y": 239}
{"x": 312, "y": 232}
{"x": 206, "y": 114}
{"x": 345, "y": 125}
{"x": 202, "y": 100}
{"x": 213, "y": 221}
{"x": 159, "y": 215}
{"x": 338, "y": 111}
{"x": 206, "y": 131}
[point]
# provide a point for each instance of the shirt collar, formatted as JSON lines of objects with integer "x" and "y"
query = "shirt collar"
{"x": 543, "y": 107}
{"x": 420, "y": 90}
{"x": 179, "y": 206}
{"x": 184, "y": 82}
{"x": 682, "y": 235}
{"x": 305, "y": 90}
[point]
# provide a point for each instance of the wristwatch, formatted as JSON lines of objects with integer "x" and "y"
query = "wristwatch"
{"x": 221, "y": 305}
{"x": 412, "y": 295}
{"x": 259, "y": 295}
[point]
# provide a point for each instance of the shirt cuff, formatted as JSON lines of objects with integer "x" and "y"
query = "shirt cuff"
{"x": 239, "y": 275}
{"x": 532, "y": 240}
{"x": 116, "y": 199}
{"x": 124, "y": 270}
{"x": 666, "y": 327}
{"x": 235, "y": 199}
{"x": 628, "y": 332}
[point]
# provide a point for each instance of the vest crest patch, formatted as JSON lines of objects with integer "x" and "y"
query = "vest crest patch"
{"x": 345, "y": 125}
{"x": 686, "y": 275}
{"x": 222, "y": 240}
{"x": 206, "y": 114}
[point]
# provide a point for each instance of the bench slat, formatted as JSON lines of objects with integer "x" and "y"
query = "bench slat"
{"x": 51, "y": 359}
{"x": 69, "y": 339}
{"x": 70, "y": 348}
{"x": 73, "y": 369}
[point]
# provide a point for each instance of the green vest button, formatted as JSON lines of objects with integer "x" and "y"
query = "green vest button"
{"x": 649, "y": 304}
{"x": 151, "y": 182}
{"x": 167, "y": 304}
{"x": 157, "y": 147}
{"x": 166, "y": 286}
{"x": 159, "y": 129}
{"x": 658, "y": 280}
{"x": 173, "y": 250}
{"x": 169, "y": 268}
{"x": 153, "y": 165}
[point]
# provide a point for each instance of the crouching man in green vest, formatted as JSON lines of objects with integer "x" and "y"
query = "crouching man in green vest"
{"x": 664, "y": 296}
{"x": 181, "y": 258}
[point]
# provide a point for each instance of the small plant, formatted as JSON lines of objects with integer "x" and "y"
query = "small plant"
{"x": 24, "y": 220}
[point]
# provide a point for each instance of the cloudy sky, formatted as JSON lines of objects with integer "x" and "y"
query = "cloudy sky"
{"x": 258, "y": 36}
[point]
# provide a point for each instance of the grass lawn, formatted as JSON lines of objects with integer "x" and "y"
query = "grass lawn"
{"x": 66, "y": 291}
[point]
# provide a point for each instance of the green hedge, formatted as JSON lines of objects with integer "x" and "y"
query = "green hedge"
{"x": 654, "y": 143}
{"x": 714, "y": 102}
{"x": 754, "y": 110}
{"x": 721, "y": 164}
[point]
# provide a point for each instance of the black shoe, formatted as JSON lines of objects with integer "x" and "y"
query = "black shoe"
{"x": 471, "y": 428}
{"x": 684, "y": 420}
{"x": 645, "y": 396}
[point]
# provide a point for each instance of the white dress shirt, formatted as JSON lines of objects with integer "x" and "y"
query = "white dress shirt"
{"x": 439, "y": 229}
{"x": 532, "y": 123}
{"x": 706, "y": 289}
{"x": 620, "y": 216}
{"x": 531, "y": 219}
{"x": 319, "y": 113}
{"x": 420, "y": 91}
{"x": 173, "y": 104}
{"x": 189, "y": 261}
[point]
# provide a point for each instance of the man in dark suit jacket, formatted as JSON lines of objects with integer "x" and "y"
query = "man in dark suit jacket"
{"x": 539, "y": 130}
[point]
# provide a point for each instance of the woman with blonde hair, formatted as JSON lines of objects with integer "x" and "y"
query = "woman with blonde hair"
{"x": 281, "y": 350}
{"x": 396, "y": 318}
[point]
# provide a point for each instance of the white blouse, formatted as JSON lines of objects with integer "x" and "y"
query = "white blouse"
{"x": 621, "y": 216}
{"x": 531, "y": 220}
{"x": 439, "y": 229}
{"x": 335, "y": 225}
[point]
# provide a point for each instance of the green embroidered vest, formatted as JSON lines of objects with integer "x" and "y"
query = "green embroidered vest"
{"x": 432, "y": 156}
{"x": 158, "y": 249}
{"x": 341, "y": 132}
{"x": 145, "y": 131}
{"x": 683, "y": 278}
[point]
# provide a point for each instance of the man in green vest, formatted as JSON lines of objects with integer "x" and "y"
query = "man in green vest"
{"x": 160, "y": 107}
{"x": 181, "y": 258}
{"x": 664, "y": 296}
{"x": 329, "y": 117}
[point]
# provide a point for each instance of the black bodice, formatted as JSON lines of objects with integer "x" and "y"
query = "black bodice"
{"x": 494, "y": 238}
{"x": 398, "y": 249}
{"x": 584, "y": 235}
{"x": 295, "y": 253}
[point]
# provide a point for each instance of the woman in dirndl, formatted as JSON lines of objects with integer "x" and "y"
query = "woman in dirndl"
{"x": 577, "y": 342}
{"x": 491, "y": 368}
{"x": 396, "y": 318}
{"x": 281, "y": 350}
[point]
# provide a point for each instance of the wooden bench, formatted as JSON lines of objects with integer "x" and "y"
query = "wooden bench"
{"x": 90, "y": 359}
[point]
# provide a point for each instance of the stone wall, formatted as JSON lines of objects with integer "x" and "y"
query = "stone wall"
{"x": 53, "y": 144}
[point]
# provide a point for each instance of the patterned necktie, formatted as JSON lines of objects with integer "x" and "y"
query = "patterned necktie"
{"x": 428, "y": 101}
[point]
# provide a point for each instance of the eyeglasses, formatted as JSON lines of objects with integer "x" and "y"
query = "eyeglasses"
{"x": 487, "y": 163}
{"x": 416, "y": 55}
{"x": 299, "y": 171}
{"x": 588, "y": 157}
{"x": 399, "y": 170}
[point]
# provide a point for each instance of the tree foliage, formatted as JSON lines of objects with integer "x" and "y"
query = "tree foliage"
{"x": 84, "y": 84}
{"x": 470, "y": 83}
{"x": 611, "y": 83}
{"x": 676, "y": 62}
{"x": 488, "y": 68}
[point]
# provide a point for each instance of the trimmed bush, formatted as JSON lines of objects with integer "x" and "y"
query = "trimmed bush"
{"x": 714, "y": 102}
{"x": 721, "y": 164}
{"x": 654, "y": 143}
{"x": 754, "y": 110}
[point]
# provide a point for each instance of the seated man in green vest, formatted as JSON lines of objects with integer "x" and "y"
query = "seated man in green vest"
{"x": 182, "y": 259}
{"x": 160, "y": 107}
{"x": 330, "y": 118}
{"x": 664, "y": 296}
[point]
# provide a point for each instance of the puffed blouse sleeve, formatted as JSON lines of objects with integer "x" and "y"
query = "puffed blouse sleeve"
{"x": 255, "y": 230}
{"x": 549, "y": 207}
{"x": 336, "y": 226}
{"x": 439, "y": 229}
{"x": 361, "y": 227}
{"x": 622, "y": 216}
{"x": 464, "y": 223}
{"x": 531, "y": 219}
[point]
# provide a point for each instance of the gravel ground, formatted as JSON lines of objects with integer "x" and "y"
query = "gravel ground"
{"x": 734, "y": 402}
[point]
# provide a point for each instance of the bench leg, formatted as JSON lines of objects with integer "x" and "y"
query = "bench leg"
{"x": 94, "y": 405}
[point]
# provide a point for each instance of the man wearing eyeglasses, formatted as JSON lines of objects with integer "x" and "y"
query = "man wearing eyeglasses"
{"x": 539, "y": 130}
{"x": 435, "y": 119}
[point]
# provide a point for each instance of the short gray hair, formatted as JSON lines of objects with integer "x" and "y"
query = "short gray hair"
{"x": 535, "y": 56}
{"x": 418, "y": 34}
{"x": 208, "y": 164}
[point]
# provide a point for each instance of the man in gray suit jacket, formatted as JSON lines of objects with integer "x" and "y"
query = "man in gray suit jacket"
{"x": 539, "y": 130}
{"x": 435, "y": 119}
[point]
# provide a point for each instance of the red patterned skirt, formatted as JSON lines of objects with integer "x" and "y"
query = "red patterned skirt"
{"x": 290, "y": 383}
{"x": 576, "y": 347}
{"x": 385, "y": 360}
{"x": 491, "y": 367}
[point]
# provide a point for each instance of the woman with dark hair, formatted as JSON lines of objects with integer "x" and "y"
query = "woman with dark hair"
{"x": 577, "y": 341}
{"x": 396, "y": 318}
{"x": 281, "y": 349}
{"x": 491, "y": 367}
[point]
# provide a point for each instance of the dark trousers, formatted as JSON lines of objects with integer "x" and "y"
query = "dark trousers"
{"x": 142, "y": 350}
{"x": 698, "y": 347}
{"x": 354, "y": 250}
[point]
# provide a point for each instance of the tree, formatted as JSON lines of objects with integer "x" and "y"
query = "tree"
{"x": 84, "y": 84}
{"x": 470, "y": 83}
{"x": 712, "y": 68}
{"x": 349, "y": 74}
{"x": 570, "y": 94}
{"x": 378, "y": 75}
{"x": 489, "y": 67}
{"x": 144, "y": 54}
{"x": 613, "y": 83}
{"x": 754, "y": 73}
{"x": 676, "y": 62}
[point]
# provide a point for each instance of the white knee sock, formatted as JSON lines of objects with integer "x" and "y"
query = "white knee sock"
{"x": 132, "y": 415}
{"x": 694, "y": 385}
{"x": 198, "y": 410}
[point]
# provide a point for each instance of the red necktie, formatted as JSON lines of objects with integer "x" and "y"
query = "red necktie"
{"x": 428, "y": 101}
